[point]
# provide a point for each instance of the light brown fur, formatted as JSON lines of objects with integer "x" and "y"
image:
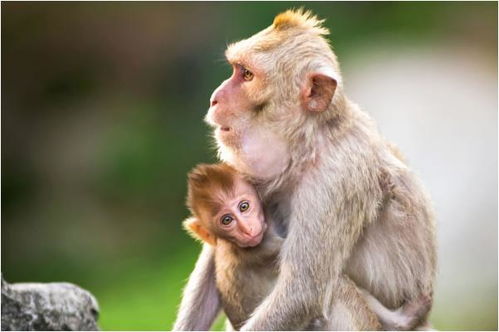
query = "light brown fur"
{"x": 245, "y": 276}
{"x": 346, "y": 202}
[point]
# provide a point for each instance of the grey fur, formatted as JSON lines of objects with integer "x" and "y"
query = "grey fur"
{"x": 354, "y": 215}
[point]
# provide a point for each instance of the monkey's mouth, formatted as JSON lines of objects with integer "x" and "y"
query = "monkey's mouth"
{"x": 254, "y": 241}
{"x": 227, "y": 136}
{"x": 225, "y": 132}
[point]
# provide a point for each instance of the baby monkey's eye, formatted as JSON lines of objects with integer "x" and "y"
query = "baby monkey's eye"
{"x": 226, "y": 219}
{"x": 247, "y": 75}
{"x": 243, "y": 206}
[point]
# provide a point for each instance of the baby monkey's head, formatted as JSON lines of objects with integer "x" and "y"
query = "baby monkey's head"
{"x": 224, "y": 206}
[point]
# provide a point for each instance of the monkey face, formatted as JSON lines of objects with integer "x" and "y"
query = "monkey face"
{"x": 230, "y": 106}
{"x": 277, "y": 94}
{"x": 240, "y": 218}
{"x": 238, "y": 113}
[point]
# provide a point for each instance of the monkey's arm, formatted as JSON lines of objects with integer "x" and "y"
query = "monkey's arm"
{"x": 201, "y": 302}
{"x": 328, "y": 214}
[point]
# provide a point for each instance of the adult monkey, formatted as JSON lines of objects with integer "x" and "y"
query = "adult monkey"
{"x": 350, "y": 208}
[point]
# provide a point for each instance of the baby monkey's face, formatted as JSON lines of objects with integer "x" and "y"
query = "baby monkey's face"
{"x": 240, "y": 218}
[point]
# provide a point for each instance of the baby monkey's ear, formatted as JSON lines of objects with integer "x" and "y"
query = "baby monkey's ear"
{"x": 194, "y": 227}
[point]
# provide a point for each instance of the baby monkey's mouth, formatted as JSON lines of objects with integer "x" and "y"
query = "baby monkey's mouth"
{"x": 224, "y": 128}
{"x": 256, "y": 240}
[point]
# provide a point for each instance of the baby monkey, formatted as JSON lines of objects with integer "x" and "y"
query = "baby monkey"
{"x": 228, "y": 214}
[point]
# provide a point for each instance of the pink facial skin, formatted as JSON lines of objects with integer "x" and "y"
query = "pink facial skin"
{"x": 240, "y": 219}
{"x": 254, "y": 150}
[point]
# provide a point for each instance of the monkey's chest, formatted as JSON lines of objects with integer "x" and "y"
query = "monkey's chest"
{"x": 243, "y": 287}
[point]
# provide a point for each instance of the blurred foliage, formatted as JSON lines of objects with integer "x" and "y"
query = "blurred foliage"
{"x": 102, "y": 108}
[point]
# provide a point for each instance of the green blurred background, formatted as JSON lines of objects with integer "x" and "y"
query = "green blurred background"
{"x": 102, "y": 108}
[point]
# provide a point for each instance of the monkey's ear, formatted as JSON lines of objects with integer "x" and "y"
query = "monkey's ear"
{"x": 197, "y": 231}
{"x": 318, "y": 91}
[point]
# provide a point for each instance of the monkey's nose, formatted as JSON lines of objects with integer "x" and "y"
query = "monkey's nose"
{"x": 246, "y": 229}
{"x": 219, "y": 96}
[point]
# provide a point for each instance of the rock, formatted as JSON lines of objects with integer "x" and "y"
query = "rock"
{"x": 48, "y": 306}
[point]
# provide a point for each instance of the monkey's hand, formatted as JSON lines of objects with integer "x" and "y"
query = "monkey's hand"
{"x": 201, "y": 302}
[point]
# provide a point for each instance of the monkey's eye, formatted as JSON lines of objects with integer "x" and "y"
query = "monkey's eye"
{"x": 247, "y": 75}
{"x": 226, "y": 219}
{"x": 243, "y": 206}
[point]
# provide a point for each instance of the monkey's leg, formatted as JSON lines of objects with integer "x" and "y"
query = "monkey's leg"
{"x": 409, "y": 316}
{"x": 390, "y": 319}
{"x": 349, "y": 311}
{"x": 395, "y": 259}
